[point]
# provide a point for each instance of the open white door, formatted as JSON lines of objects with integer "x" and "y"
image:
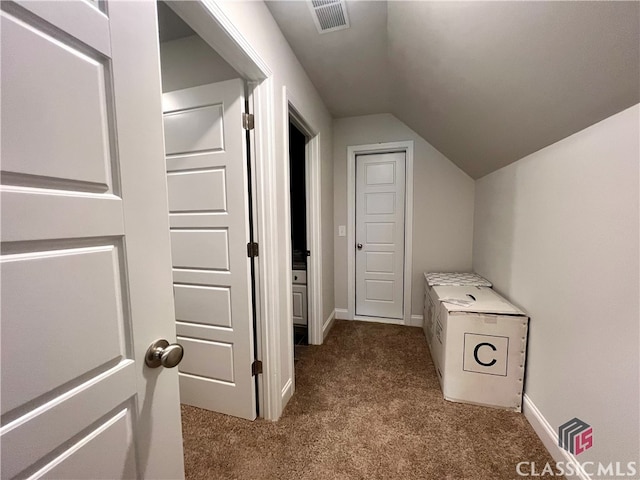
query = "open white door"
{"x": 208, "y": 205}
{"x": 380, "y": 209}
{"x": 85, "y": 269}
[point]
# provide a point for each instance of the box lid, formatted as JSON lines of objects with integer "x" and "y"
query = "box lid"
{"x": 456, "y": 278}
{"x": 475, "y": 300}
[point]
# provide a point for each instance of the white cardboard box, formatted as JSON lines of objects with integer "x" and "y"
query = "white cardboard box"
{"x": 479, "y": 346}
{"x": 432, "y": 302}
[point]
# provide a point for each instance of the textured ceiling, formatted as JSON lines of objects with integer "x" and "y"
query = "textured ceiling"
{"x": 348, "y": 67}
{"x": 486, "y": 83}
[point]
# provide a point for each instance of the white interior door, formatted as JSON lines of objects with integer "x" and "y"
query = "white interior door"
{"x": 380, "y": 185}
{"x": 208, "y": 205}
{"x": 85, "y": 270}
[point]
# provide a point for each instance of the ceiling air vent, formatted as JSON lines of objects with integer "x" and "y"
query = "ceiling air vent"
{"x": 329, "y": 15}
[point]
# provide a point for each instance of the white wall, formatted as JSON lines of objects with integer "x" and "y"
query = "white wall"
{"x": 189, "y": 62}
{"x": 254, "y": 21}
{"x": 557, "y": 233}
{"x": 442, "y": 207}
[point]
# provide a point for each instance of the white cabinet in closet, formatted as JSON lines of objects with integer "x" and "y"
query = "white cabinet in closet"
{"x": 299, "y": 290}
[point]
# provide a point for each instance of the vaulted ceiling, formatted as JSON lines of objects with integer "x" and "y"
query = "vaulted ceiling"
{"x": 486, "y": 83}
{"x": 170, "y": 25}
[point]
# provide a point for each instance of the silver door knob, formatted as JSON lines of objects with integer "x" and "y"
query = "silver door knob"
{"x": 160, "y": 353}
{"x": 359, "y": 246}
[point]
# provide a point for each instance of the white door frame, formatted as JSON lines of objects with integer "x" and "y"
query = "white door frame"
{"x": 352, "y": 152}
{"x": 313, "y": 204}
{"x": 207, "y": 19}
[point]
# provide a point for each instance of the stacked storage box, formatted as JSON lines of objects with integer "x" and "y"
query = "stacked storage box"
{"x": 477, "y": 341}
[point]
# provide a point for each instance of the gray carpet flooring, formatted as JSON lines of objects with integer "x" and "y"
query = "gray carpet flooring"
{"x": 367, "y": 406}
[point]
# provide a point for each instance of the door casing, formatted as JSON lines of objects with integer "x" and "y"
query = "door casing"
{"x": 352, "y": 152}
{"x": 314, "y": 263}
{"x": 314, "y": 214}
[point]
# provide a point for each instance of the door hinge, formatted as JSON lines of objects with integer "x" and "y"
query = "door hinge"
{"x": 256, "y": 367}
{"x": 252, "y": 249}
{"x": 247, "y": 121}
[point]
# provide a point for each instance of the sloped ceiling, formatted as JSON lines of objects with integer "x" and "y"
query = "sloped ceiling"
{"x": 486, "y": 83}
{"x": 171, "y": 26}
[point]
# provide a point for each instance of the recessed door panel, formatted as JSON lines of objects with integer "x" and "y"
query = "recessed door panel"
{"x": 379, "y": 290}
{"x": 380, "y": 203}
{"x": 192, "y": 130}
{"x": 54, "y": 109}
{"x": 212, "y": 360}
{"x": 381, "y": 173}
{"x": 197, "y": 191}
{"x": 300, "y": 307}
{"x": 200, "y": 249}
{"x": 42, "y": 295}
{"x": 380, "y": 233}
{"x": 198, "y": 161}
{"x": 380, "y": 262}
{"x": 63, "y": 418}
{"x": 297, "y": 304}
{"x": 86, "y": 458}
{"x": 203, "y": 304}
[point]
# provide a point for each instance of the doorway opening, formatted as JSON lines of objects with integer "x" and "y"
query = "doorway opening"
{"x": 299, "y": 227}
{"x": 211, "y": 214}
{"x": 273, "y": 343}
{"x": 304, "y": 224}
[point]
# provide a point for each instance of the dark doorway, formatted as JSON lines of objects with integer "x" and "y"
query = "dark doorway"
{"x": 297, "y": 188}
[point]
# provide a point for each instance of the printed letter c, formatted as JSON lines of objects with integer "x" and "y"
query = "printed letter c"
{"x": 475, "y": 354}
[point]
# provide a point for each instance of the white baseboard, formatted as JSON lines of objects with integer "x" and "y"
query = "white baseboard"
{"x": 415, "y": 321}
{"x": 549, "y": 437}
{"x": 287, "y": 392}
{"x": 343, "y": 314}
{"x": 328, "y": 324}
{"x": 390, "y": 321}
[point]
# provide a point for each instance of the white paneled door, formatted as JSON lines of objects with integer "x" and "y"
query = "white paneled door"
{"x": 380, "y": 207}
{"x": 208, "y": 212}
{"x": 85, "y": 269}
